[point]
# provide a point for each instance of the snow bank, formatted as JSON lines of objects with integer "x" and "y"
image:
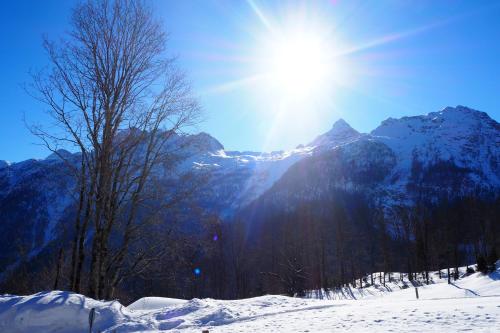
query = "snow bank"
{"x": 56, "y": 311}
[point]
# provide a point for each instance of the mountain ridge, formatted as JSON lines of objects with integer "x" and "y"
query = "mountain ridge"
{"x": 340, "y": 129}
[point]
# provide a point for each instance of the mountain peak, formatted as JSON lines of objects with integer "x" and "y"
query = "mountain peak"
{"x": 59, "y": 154}
{"x": 461, "y": 111}
{"x": 205, "y": 142}
{"x": 340, "y": 133}
{"x": 340, "y": 124}
{"x": 457, "y": 109}
{"x": 451, "y": 124}
{"x": 452, "y": 108}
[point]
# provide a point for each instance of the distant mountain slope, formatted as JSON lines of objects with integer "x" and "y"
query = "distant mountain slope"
{"x": 33, "y": 197}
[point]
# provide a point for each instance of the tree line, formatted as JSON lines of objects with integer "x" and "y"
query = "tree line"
{"x": 335, "y": 243}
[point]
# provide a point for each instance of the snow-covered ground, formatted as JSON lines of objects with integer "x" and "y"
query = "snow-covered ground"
{"x": 471, "y": 303}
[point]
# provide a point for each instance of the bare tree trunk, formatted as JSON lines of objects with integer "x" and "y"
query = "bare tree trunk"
{"x": 74, "y": 245}
{"x": 60, "y": 258}
{"x": 93, "y": 284}
{"x": 81, "y": 249}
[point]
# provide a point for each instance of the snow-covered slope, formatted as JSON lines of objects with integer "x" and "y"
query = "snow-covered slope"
{"x": 240, "y": 177}
{"x": 470, "y": 303}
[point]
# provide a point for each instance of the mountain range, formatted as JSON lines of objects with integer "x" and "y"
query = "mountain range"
{"x": 448, "y": 153}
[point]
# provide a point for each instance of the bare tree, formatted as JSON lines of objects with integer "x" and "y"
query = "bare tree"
{"x": 116, "y": 98}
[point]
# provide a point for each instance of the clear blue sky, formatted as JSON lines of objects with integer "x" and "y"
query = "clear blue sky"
{"x": 398, "y": 58}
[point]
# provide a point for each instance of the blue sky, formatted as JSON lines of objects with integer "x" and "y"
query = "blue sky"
{"x": 398, "y": 58}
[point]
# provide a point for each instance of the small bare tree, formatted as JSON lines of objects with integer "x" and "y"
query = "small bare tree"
{"x": 117, "y": 98}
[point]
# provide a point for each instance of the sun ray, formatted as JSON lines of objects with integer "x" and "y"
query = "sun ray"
{"x": 232, "y": 85}
{"x": 260, "y": 15}
{"x": 388, "y": 39}
{"x": 411, "y": 32}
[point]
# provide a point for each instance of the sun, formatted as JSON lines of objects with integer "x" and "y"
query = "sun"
{"x": 298, "y": 64}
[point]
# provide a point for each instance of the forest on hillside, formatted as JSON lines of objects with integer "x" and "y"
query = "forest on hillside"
{"x": 317, "y": 245}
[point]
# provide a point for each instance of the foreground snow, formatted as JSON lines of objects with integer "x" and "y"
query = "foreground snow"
{"x": 472, "y": 303}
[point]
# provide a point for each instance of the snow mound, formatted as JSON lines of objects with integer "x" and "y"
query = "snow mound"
{"x": 154, "y": 303}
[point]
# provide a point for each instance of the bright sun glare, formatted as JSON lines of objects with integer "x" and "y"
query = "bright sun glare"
{"x": 298, "y": 64}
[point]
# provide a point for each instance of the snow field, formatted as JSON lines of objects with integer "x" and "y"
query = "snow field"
{"x": 471, "y": 303}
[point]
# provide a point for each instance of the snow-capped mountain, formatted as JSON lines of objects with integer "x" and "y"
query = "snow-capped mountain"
{"x": 449, "y": 153}
{"x": 460, "y": 136}
{"x": 453, "y": 151}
